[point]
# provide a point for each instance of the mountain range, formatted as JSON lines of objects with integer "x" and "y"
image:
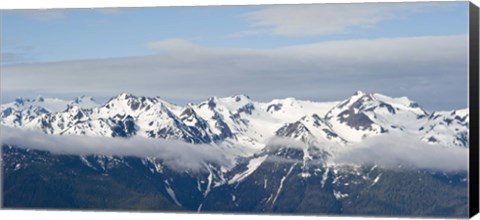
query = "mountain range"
{"x": 285, "y": 156}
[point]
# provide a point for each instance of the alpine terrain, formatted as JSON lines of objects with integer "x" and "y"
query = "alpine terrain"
{"x": 369, "y": 154}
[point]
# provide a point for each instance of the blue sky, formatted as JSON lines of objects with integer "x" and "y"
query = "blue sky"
{"x": 50, "y": 44}
{"x": 57, "y": 35}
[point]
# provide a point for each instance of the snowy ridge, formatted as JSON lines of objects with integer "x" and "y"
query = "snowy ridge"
{"x": 240, "y": 124}
{"x": 365, "y": 115}
{"x": 447, "y": 128}
{"x": 50, "y": 104}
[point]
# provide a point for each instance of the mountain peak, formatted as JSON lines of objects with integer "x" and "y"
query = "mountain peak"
{"x": 72, "y": 108}
{"x": 126, "y": 102}
{"x": 241, "y": 97}
{"x": 359, "y": 93}
{"x": 125, "y": 95}
{"x": 356, "y": 99}
{"x": 39, "y": 99}
{"x": 363, "y": 95}
{"x": 21, "y": 101}
{"x": 83, "y": 98}
{"x": 293, "y": 130}
{"x": 212, "y": 98}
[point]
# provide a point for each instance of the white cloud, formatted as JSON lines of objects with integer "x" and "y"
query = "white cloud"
{"x": 387, "y": 151}
{"x": 177, "y": 155}
{"x": 322, "y": 19}
{"x": 274, "y": 143}
{"x": 431, "y": 70}
{"x": 393, "y": 150}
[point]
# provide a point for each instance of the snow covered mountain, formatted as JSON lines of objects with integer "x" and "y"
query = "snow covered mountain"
{"x": 281, "y": 152}
{"x": 364, "y": 115}
{"x": 50, "y": 104}
{"x": 447, "y": 128}
{"x": 246, "y": 130}
{"x": 240, "y": 122}
{"x": 23, "y": 111}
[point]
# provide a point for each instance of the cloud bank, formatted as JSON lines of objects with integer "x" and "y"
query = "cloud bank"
{"x": 177, "y": 155}
{"x": 432, "y": 70}
{"x": 394, "y": 149}
{"x": 389, "y": 151}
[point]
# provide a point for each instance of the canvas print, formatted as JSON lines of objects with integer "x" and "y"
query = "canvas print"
{"x": 312, "y": 109}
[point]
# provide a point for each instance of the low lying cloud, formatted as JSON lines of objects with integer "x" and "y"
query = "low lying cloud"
{"x": 177, "y": 155}
{"x": 278, "y": 142}
{"x": 389, "y": 151}
{"x": 393, "y": 150}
